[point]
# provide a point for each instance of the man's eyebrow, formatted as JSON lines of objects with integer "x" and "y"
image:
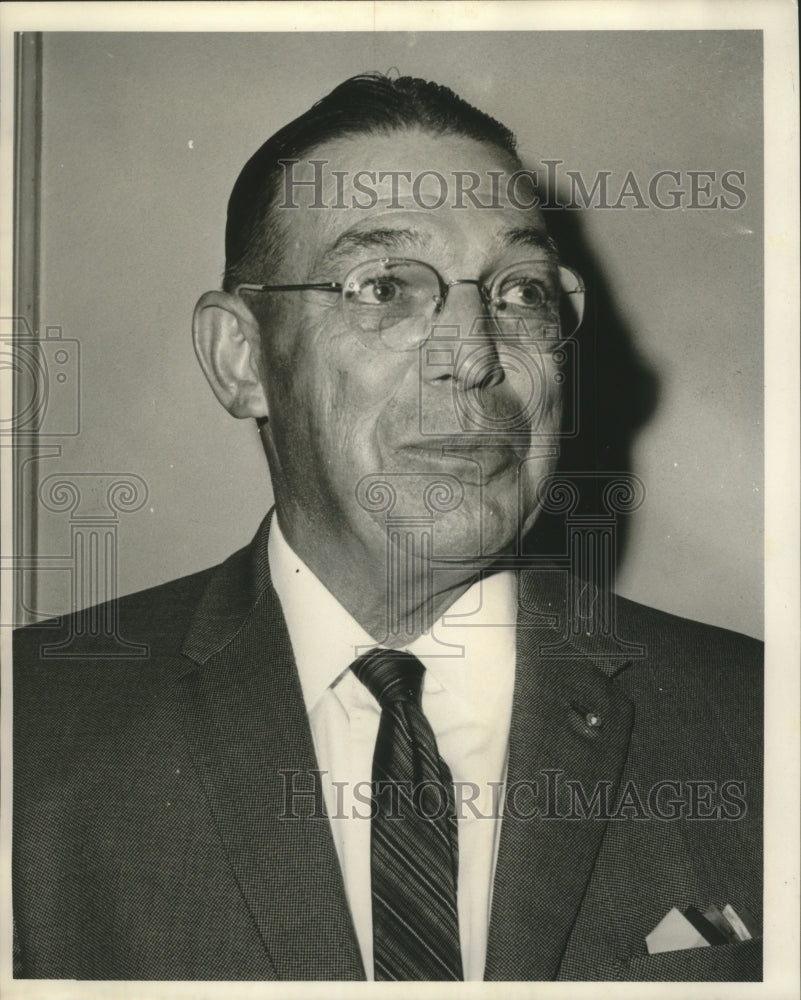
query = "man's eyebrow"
{"x": 535, "y": 239}
{"x": 375, "y": 239}
{"x": 390, "y": 239}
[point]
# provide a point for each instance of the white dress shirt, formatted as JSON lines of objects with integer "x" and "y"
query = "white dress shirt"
{"x": 469, "y": 656}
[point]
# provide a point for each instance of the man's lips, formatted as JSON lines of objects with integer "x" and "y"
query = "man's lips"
{"x": 455, "y": 442}
{"x": 472, "y": 461}
{"x": 465, "y": 442}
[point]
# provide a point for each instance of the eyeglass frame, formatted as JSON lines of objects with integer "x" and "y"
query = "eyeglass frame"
{"x": 484, "y": 288}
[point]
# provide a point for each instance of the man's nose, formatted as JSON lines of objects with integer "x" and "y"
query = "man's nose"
{"x": 466, "y": 320}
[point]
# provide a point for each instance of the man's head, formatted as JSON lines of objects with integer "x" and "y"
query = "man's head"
{"x": 365, "y": 105}
{"x": 427, "y": 352}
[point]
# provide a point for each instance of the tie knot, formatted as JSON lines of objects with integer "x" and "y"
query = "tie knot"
{"x": 390, "y": 675}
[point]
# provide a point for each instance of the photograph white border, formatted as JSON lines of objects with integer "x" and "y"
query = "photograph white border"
{"x": 778, "y": 21}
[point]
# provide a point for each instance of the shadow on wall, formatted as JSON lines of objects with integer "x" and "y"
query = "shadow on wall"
{"x": 610, "y": 398}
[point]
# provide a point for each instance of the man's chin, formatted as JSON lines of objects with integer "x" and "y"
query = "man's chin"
{"x": 472, "y": 535}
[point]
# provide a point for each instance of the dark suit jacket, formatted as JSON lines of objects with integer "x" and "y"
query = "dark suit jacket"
{"x": 151, "y": 835}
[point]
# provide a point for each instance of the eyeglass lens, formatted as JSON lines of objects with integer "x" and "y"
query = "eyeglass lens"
{"x": 397, "y": 299}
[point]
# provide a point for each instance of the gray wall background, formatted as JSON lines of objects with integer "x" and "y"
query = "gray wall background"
{"x": 143, "y": 136}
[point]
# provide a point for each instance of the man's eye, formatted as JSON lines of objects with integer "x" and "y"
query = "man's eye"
{"x": 528, "y": 293}
{"x": 375, "y": 292}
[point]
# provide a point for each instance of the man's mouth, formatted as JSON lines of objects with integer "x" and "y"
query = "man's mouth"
{"x": 473, "y": 462}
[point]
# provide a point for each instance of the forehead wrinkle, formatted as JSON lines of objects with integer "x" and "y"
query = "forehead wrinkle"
{"x": 355, "y": 242}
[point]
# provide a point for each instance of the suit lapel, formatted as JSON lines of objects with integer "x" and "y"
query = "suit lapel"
{"x": 544, "y": 862}
{"x": 249, "y": 737}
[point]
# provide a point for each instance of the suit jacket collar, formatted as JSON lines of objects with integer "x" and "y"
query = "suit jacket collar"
{"x": 247, "y": 727}
{"x": 249, "y": 736}
{"x": 235, "y": 589}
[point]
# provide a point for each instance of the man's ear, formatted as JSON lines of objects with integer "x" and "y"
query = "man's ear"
{"x": 228, "y": 347}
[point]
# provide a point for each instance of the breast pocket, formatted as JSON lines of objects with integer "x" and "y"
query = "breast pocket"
{"x": 727, "y": 963}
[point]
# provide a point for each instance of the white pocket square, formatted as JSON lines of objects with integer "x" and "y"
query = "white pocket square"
{"x": 678, "y": 930}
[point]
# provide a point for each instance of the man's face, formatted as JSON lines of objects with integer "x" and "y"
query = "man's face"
{"x": 476, "y": 407}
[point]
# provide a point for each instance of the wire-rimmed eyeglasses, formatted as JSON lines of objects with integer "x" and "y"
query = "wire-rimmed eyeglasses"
{"x": 395, "y": 301}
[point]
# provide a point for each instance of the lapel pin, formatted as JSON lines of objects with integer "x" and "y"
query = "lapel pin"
{"x": 593, "y": 719}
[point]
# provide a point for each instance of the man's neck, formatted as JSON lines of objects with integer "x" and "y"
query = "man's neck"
{"x": 392, "y": 593}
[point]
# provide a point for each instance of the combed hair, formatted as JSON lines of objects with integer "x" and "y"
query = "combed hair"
{"x": 367, "y": 104}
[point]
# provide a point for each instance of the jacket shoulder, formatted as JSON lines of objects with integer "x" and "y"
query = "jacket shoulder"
{"x": 666, "y": 635}
{"x": 135, "y": 629}
{"x": 698, "y": 692}
{"x": 709, "y": 666}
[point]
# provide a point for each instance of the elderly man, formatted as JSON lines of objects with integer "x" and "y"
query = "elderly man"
{"x": 370, "y": 745}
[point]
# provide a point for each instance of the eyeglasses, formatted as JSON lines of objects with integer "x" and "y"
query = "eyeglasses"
{"x": 394, "y": 301}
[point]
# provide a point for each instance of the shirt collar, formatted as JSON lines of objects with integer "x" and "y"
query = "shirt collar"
{"x": 469, "y": 650}
{"x": 325, "y": 638}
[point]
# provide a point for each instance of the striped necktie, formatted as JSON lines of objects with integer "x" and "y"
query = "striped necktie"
{"x": 413, "y": 834}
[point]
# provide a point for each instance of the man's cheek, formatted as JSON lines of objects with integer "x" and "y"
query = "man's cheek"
{"x": 370, "y": 383}
{"x": 541, "y": 392}
{"x": 553, "y": 405}
{"x": 350, "y": 412}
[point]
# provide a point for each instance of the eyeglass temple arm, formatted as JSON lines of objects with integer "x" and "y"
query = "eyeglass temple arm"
{"x": 327, "y": 286}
